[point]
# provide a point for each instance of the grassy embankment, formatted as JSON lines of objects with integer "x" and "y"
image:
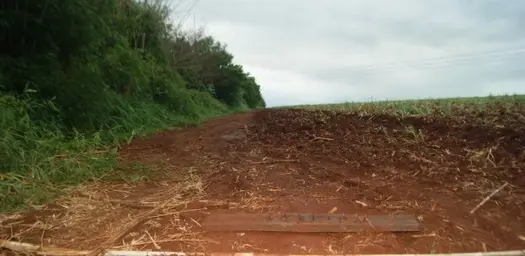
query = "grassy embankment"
{"x": 80, "y": 77}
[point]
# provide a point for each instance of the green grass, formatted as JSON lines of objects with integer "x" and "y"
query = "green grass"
{"x": 40, "y": 159}
{"x": 446, "y": 106}
{"x": 84, "y": 76}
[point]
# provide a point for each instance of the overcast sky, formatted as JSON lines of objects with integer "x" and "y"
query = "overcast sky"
{"x": 330, "y": 51}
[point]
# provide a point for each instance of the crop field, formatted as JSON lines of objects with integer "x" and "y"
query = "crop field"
{"x": 434, "y": 159}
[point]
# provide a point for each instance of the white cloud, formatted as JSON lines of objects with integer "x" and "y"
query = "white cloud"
{"x": 289, "y": 88}
{"x": 310, "y": 51}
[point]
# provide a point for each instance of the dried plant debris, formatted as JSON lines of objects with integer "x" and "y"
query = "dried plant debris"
{"x": 435, "y": 166}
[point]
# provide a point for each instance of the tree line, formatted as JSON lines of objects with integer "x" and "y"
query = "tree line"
{"x": 87, "y": 73}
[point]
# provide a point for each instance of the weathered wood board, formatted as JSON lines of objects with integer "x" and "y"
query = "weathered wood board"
{"x": 323, "y": 223}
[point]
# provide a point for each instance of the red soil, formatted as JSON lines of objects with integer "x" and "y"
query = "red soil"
{"x": 312, "y": 161}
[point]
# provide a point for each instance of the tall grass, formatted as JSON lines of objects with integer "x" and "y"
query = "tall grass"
{"x": 40, "y": 158}
{"x": 78, "y": 78}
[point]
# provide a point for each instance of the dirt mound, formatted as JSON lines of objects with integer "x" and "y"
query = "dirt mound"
{"x": 449, "y": 147}
{"x": 291, "y": 160}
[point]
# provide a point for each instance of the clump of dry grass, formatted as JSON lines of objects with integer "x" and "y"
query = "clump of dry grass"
{"x": 104, "y": 214}
{"x": 484, "y": 156}
{"x": 254, "y": 201}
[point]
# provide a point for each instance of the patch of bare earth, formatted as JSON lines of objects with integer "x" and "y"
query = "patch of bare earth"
{"x": 305, "y": 162}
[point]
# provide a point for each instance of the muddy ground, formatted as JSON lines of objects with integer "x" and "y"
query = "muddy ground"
{"x": 290, "y": 160}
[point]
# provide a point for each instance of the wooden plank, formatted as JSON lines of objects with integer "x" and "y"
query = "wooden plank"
{"x": 325, "y": 223}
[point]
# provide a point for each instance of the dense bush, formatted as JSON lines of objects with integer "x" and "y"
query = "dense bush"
{"x": 84, "y": 74}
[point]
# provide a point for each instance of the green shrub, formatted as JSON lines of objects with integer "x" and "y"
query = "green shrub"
{"x": 80, "y": 77}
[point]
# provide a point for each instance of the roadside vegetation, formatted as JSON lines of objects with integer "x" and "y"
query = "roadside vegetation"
{"x": 79, "y": 78}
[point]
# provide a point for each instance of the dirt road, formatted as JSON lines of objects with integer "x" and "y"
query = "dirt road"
{"x": 302, "y": 161}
